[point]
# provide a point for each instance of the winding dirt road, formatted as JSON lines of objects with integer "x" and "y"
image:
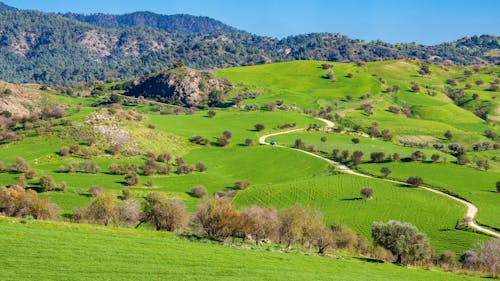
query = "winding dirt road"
{"x": 471, "y": 208}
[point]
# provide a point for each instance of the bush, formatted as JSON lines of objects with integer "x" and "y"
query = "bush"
{"x": 30, "y": 174}
{"x": 116, "y": 169}
{"x": 403, "y": 240}
{"x": 19, "y": 202}
{"x": 498, "y": 186}
{"x": 415, "y": 181}
{"x": 240, "y": 185}
{"x": 211, "y": 113}
{"x": 129, "y": 212}
{"x": 366, "y": 193}
{"x": 259, "y": 127}
{"x": 150, "y": 167}
{"x": 324, "y": 139}
{"x": 469, "y": 259}
{"x": 300, "y": 225}
{"x": 126, "y": 194}
{"x": 22, "y": 182}
{"x": 165, "y": 214}
{"x": 199, "y": 191}
{"x": 248, "y": 142}
{"x": 94, "y": 191}
{"x": 21, "y": 165}
{"x": 90, "y": 167}
{"x": 64, "y": 152}
{"x": 299, "y": 144}
{"x": 356, "y": 157}
{"x": 355, "y": 140}
{"x": 47, "y": 183}
{"x": 489, "y": 255}
{"x": 447, "y": 258}
{"x": 223, "y": 141}
{"x": 200, "y": 167}
{"x": 132, "y": 179}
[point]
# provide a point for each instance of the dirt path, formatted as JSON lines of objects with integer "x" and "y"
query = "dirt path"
{"x": 471, "y": 208}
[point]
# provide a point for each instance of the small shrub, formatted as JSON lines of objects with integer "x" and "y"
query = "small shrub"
{"x": 126, "y": 194}
{"x": 132, "y": 179}
{"x": 95, "y": 190}
{"x": 211, "y": 113}
{"x": 21, "y": 165}
{"x": 415, "y": 181}
{"x": 241, "y": 185}
{"x": 385, "y": 171}
{"x": 47, "y": 183}
{"x": 355, "y": 140}
{"x": 64, "y": 152}
{"x": 199, "y": 191}
{"x": 30, "y": 174}
{"x": 200, "y": 167}
{"x": 259, "y": 127}
{"x": 248, "y": 141}
{"x": 366, "y": 193}
{"x": 324, "y": 139}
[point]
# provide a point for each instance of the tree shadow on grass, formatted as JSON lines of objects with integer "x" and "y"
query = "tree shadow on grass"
{"x": 369, "y": 260}
{"x": 352, "y": 199}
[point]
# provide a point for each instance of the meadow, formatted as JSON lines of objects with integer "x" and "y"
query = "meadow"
{"x": 50, "y": 251}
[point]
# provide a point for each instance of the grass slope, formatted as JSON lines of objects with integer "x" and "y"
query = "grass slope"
{"x": 54, "y": 251}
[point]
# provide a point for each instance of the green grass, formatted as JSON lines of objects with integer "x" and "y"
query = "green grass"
{"x": 54, "y": 251}
{"x": 338, "y": 198}
{"x": 472, "y": 184}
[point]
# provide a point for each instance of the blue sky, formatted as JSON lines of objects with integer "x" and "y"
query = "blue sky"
{"x": 421, "y": 21}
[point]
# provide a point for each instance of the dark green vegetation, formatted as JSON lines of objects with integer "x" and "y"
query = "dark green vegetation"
{"x": 83, "y": 252}
{"x": 57, "y": 49}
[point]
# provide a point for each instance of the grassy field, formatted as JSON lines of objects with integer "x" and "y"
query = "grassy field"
{"x": 55, "y": 251}
{"x": 472, "y": 184}
{"x": 279, "y": 177}
{"x": 337, "y": 196}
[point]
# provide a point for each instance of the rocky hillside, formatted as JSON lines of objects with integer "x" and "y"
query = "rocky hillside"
{"x": 182, "y": 86}
{"x": 66, "y": 49}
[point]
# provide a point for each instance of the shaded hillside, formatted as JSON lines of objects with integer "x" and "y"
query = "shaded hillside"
{"x": 168, "y": 23}
{"x": 182, "y": 86}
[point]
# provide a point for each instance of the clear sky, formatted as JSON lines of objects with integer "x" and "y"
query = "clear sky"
{"x": 421, "y": 21}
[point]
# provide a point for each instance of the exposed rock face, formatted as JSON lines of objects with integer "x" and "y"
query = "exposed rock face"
{"x": 181, "y": 86}
{"x": 20, "y": 101}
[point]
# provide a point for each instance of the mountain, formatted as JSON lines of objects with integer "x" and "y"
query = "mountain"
{"x": 4, "y": 7}
{"x": 66, "y": 49}
{"x": 168, "y": 23}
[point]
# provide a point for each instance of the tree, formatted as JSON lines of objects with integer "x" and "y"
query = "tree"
{"x": 47, "y": 183}
{"x": 435, "y": 158}
{"x": 498, "y": 186}
{"x": 355, "y": 140}
{"x": 95, "y": 190}
{"x": 324, "y": 139}
{"x": 356, "y": 157}
{"x": 199, "y": 191}
{"x": 259, "y": 127}
{"x": 248, "y": 141}
{"x": 89, "y": 167}
{"x": 216, "y": 218}
{"x": 102, "y": 209}
{"x": 262, "y": 223}
{"x": 366, "y": 193}
{"x": 404, "y": 240}
{"x": 163, "y": 213}
{"x": 373, "y": 130}
{"x": 344, "y": 155}
{"x": 150, "y": 167}
{"x": 415, "y": 181}
{"x": 377, "y": 157}
{"x": 16, "y": 201}
{"x": 227, "y": 134}
{"x": 448, "y": 135}
{"x": 489, "y": 255}
{"x": 299, "y": 144}
{"x": 215, "y": 98}
{"x": 385, "y": 171}
{"x": 211, "y": 113}
{"x": 299, "y": 225}
{"x": 386, "y": 135}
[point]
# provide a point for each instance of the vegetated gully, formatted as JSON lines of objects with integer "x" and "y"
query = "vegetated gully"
{"x": 471, "y": 208}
